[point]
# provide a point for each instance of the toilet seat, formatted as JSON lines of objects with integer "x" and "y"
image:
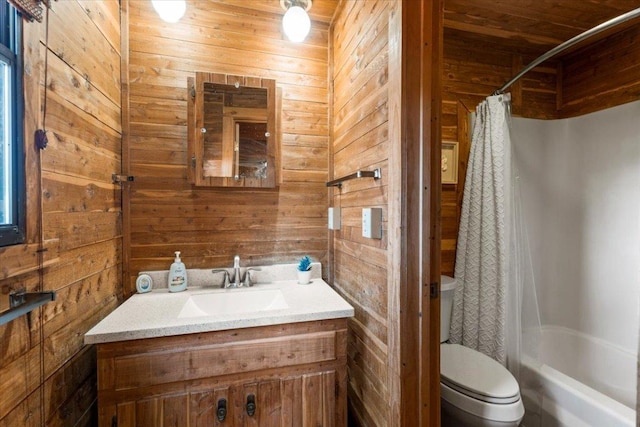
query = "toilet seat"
{"x": 477, "y": 384}
{"x": 503, "y": 413}
{"x": 477, "y": 375}
{"x": 477, "y": 396}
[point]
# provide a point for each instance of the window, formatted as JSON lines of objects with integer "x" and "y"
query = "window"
{"x": 12, "y": 193}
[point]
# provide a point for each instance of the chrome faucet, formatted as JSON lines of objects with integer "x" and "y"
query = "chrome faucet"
{"x": 225, "y": 280}
{"x": 238, "y": 279}
{"x": 237, "y": 282}
{"x": 246, "y": 280}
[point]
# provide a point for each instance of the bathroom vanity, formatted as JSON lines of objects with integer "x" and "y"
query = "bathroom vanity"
{"x": 270, "y": 355}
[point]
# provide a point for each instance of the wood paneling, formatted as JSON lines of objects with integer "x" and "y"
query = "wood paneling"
{"x": 386, "y": 72}
{"x": 601, "y": 75}
{"x": 210, "y": 225}
{"x": 43, "y": 354}
{"x": 360, "y": 142}
{"x": 472, "y": 70}
{"x": 532, "y": 26}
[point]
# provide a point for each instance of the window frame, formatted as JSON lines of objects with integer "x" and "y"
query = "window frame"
{"x": 11, "y": 52}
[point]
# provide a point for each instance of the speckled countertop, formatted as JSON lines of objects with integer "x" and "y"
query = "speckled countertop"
{"x": 158, "y": 313}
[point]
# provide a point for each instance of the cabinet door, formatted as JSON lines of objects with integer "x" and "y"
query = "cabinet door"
{"x": 199, "y": 408}
{"x": 212, "y": 408}
{"x": 162, "y": 411}
{"x": 307, "y": 400}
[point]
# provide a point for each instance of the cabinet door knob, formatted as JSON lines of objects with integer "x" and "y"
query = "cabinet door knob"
{"x": 251, "y": 405}
{"x": 222, "y": 410}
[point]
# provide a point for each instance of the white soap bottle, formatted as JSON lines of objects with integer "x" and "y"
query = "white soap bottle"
{"x": 177, "y": 275}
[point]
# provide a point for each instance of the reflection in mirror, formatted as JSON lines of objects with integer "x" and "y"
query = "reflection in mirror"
{"x": 235, "y": 131}
{"x": 252, "y": 159}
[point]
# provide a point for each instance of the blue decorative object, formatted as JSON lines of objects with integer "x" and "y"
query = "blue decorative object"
{"x": 305, "y": 264}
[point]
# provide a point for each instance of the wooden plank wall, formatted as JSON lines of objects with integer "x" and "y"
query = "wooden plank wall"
{"x": 597, "y": 76}
{"x": 472, "y": 70}
{"x": 601, "y": 75}
{"x": 211, "y": 225}
{"x": 81, "y": 215}
{"x": 360, "y": 140}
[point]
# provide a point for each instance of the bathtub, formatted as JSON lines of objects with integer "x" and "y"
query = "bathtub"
{"x": 577, "y": 381}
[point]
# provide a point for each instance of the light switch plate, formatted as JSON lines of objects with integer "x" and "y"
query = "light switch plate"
{"x": 334, "y": 219}
{"x": 372, "y": 223}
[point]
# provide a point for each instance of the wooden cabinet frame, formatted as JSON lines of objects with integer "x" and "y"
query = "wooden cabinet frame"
{"x": 195, "y": 147}
{"x": 296, "y": 373}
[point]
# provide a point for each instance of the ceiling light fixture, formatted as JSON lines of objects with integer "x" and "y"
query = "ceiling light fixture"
{"x": 170, "y": 10}
{"x": 296, "y": 22}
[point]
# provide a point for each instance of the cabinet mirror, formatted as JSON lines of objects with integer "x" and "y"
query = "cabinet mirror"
{"x": 232, "y": 129}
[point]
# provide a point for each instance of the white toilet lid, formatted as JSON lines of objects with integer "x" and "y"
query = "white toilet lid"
{"x": 477, "y": 375}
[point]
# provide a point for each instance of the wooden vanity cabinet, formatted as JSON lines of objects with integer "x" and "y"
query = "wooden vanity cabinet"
{"x": 295, "y": 375}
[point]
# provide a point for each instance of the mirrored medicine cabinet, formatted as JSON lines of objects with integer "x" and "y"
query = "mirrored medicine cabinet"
{"x": 233, "y": 131}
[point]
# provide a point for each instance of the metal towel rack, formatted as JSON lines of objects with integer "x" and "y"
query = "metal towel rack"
{"x": 375, "y": 174}
{"x": 22, "y": 302}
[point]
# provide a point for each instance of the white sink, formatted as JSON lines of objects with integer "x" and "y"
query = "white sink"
{"x": 233, "y": 301}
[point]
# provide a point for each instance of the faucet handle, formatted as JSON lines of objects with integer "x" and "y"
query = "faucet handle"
{"x": 246, "y": 279}
{"x": 226, "y": 280}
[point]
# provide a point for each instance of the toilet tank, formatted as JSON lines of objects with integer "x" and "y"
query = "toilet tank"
{"x": 447, "y": 288}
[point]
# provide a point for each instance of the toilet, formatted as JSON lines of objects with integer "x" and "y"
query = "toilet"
{"x": 475, "y": 390}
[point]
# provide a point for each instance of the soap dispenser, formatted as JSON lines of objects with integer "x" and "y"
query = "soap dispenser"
{"x": 177, "y": 275}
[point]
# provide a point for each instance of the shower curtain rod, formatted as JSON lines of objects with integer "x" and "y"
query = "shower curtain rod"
{"x": 563, "y": 46}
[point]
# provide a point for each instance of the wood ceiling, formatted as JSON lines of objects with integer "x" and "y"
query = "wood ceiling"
{"x": 527, "y": 26}
{"x": 321, "y": 10}
{"x": 530, "y": 26}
